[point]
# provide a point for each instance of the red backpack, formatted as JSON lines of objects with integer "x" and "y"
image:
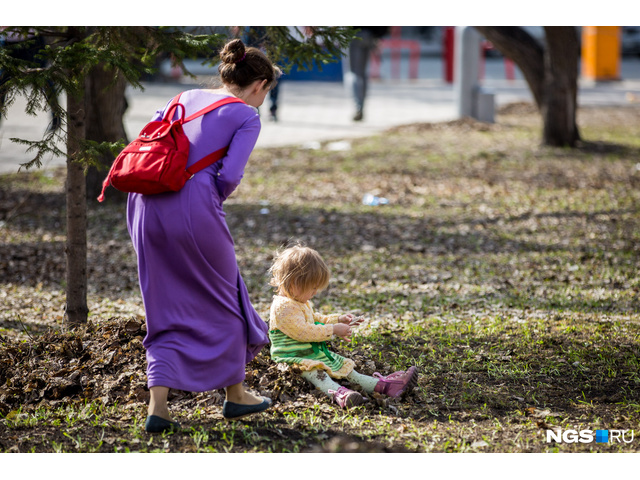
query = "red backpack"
{"x": 156, "y": 161}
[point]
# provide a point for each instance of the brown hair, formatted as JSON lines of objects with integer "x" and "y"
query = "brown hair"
{"x": 241, "y": 66}
{"x": 301, "y": 267}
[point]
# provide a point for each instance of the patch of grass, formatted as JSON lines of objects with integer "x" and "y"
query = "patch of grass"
{"x": 505, "y": 271}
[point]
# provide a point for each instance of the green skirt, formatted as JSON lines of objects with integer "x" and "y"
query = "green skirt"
{"x": 309, "y": 355}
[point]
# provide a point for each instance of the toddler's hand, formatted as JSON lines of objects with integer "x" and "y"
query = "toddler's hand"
{"x": 346, "y": 318}
{"x": 356, "y": 321}
{"x": 342, "y": 330}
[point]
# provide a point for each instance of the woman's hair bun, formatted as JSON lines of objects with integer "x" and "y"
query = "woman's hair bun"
{"x": 240, "y": 66}
{"x": 233, "y": 52}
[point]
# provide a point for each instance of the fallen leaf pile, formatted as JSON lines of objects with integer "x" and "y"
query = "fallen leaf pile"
{"x": 106, "y": 362}
{"x": 103, "y": 362}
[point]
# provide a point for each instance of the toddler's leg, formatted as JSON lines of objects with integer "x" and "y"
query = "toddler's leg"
{"x": 393, "y": 385}
{"x": 367, "y": 383}
{"x": 341, "y": 395}
{"x": 321, "y": 381}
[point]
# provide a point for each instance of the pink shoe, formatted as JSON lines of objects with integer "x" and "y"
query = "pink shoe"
{"x": 396, "y": 383}
{"x": 346, "y": 398}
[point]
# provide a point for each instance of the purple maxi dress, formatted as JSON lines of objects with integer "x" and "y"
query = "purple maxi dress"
{"x": 201, "y": 327}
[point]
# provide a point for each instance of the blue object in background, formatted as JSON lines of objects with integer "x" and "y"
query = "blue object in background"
{"x": 327, "y": 72}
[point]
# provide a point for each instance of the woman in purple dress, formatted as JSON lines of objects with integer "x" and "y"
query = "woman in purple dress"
{"x": 201, "y": 327}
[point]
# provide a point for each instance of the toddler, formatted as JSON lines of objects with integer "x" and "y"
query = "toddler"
{"x": 298, "y": 334}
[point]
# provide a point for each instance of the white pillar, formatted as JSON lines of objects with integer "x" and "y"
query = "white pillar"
{"x": 465, "y": 72}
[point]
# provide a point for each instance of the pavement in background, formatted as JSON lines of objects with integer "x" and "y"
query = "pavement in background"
{"x": 312, "y": 112}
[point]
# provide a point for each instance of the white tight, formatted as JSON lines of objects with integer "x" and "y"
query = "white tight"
{"x": 323, "y": 382}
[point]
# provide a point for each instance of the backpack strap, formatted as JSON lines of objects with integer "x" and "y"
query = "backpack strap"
{"x": 173, "y": 104}
{"x": 211, "y": 107}
{"x": 210, "y": 159}
{"x": 213, "y": 157}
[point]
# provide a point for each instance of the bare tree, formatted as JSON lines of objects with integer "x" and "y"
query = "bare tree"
{"x": 551, "y": 71}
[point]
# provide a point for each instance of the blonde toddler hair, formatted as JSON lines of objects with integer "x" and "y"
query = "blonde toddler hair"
{"x": 300, "y": 267}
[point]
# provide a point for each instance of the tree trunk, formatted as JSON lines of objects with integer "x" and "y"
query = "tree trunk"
{"x": 105, "y": 124}
{"x": 76, "y": 246}
{"x": 551, "y": 72}
{"x": 516, "y": 44}
{"x": 561, "y": 87}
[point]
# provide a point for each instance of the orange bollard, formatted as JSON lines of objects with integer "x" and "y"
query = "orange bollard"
{"x": 601, "y": 53}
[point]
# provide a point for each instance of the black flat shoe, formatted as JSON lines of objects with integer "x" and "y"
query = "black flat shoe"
{"x": 234, "y": 411}
{"x": 155, "y": 424}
